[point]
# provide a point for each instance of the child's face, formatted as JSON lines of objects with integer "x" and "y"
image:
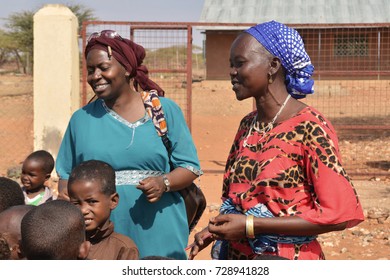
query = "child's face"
{"x": 33, "y": 176}
{"x": 95, "y": 206}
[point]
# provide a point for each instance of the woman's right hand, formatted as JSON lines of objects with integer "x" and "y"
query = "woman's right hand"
{"x": 202, "y": 240}
{"x": 153, "y": 188}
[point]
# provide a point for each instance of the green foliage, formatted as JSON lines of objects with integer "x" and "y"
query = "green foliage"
{"x": 19, "y": 37}
{"x": 20, "y": 26}
{"x": 5, "y": 47}
{"x": 21, "y": 30}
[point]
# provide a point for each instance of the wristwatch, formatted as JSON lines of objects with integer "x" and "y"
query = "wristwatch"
{"x": 166, "y": 183}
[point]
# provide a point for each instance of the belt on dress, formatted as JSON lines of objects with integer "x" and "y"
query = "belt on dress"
{"x": 132, "y": 177}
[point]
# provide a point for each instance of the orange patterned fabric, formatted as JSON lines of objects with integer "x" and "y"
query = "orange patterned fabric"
{"x": 153, "y": 108}
{"x": 295, "y": 169}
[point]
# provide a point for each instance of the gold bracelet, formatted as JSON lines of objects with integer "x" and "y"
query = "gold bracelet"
{"x": 250, "y": 227}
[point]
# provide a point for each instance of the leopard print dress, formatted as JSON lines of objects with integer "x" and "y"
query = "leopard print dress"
{"x": 294, "y": 169}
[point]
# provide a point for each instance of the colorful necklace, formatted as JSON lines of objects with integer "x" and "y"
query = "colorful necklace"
{"x": 268, "y": 127}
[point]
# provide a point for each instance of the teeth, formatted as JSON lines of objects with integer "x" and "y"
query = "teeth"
{"x": 100, "y": 86}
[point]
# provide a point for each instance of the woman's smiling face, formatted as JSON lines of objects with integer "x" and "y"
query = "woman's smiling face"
{"x": 106, "y": 76}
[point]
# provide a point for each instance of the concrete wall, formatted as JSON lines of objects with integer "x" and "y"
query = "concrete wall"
{"x": 56, "y": 74}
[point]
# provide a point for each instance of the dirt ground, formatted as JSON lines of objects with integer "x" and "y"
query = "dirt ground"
{"x": 216, "y": 115}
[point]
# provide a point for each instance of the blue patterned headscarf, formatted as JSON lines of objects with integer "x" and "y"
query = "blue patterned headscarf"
{"x": 286, "y": 43}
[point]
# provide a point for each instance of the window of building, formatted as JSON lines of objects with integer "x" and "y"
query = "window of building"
{"x": 351, "y": 45}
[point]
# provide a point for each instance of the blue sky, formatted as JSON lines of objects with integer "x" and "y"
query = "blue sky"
{"x": 119, "y": 10}
{"x": 126, "y": 10}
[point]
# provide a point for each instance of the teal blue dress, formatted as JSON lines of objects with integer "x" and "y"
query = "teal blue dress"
{"x": 96, "y": 132}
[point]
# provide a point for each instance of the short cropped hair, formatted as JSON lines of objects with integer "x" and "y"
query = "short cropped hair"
{"x": 11, "y": 193}
{"x": 11, "y": 218}
{"x": 54, "y": 230}
{"x": 95, "y": 170}
{"x": 45, "y": 158}
{"x": 5, "y": 251}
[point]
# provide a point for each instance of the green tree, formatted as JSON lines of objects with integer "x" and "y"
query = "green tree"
{"x": 20, "y": 32}
{"x": 6, "y": 47}
{"x": 20, "y": 26}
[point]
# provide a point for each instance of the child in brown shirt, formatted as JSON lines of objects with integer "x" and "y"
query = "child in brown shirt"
{"x": 91, "y": 187}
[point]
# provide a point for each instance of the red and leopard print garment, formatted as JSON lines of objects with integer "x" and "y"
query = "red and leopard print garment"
{"x": 295, "y": 169}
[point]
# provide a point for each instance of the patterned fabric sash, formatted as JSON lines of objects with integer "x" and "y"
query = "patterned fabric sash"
{"x": 263, "y": 243}
{"x": 154, "y": 109}
{"x": 132, "y": 177}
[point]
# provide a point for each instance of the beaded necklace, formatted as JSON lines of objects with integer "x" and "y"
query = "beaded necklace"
{"x": 269, "y": 126}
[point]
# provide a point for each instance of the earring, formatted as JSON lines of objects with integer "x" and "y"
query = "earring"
{"x": 270, "y": 80}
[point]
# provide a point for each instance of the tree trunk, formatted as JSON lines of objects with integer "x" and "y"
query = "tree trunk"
{"x": 19, "y": 62}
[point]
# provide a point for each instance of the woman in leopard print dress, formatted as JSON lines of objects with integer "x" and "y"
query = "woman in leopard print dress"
{"x": 284, "y": 183}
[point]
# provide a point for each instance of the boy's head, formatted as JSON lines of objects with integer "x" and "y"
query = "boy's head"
{"x": 10, "y": 194}
{"x": 36, "y": 169}
{"x": 54, "y": 230}
{"x": 10, "y": 223}
{"x": 91, "y": 187}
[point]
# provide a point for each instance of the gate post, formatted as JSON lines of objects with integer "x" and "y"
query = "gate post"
{"x": 56, "y": 74}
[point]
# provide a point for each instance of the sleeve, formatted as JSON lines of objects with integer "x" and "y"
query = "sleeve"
{"x": 334, "y": 196}
{"x": 184, "y": 152}
{"x": 128, "y": 253}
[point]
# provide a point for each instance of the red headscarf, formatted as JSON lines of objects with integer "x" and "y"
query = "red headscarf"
{"x": 130, "y": 56}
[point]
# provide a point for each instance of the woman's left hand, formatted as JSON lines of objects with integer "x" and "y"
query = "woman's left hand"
{"x": 228, "y": 227}
{"x": 153, "y": 188}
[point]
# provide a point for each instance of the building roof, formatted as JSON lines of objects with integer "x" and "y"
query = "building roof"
{"x": 296, "y": 11}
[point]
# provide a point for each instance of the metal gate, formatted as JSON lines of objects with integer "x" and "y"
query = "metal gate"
{"x": 352, "y": 76}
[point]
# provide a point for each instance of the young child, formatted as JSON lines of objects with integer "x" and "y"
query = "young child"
{"x": 54, "y": 230}
{"x": 10, "y": 193}
{"x": 10, "y": 223}
{"x": 36, "y": 170}
{"x": 91, "y": 187}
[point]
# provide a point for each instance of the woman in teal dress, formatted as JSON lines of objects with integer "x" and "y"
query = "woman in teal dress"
{"x": 117, "y": 129}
